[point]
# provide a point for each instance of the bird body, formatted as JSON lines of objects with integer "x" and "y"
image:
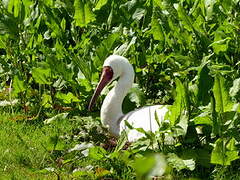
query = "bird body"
{"x": 144, "y": 118}
{"x": 111, "y": 111}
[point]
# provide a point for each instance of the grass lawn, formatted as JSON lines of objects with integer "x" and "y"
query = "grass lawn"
{"x": 27, "y": 148}
{"x": 30, "y": 149}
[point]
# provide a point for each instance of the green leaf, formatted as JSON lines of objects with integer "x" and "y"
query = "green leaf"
{"x": 100, "y": 4}
{"x": 217, "y": 156}
{"x": 105, "y": 47}
{"x": 67, "y": 98}
{"x": 121, "y": 141}
{"x": 209, "y": 4}
{"x": 83, "y": 14}
{"x": 18, "y": 85}
{"x": 42, "y": 75}
{"x": 10, "y": 6}
{"x": 110, "y": 17}
{"x": 203, "y": 118}
{"x": 123, "y": 49}
{"x": 220, "y": 45}
{"x": 2, "y": 41}
{"x": 17, "y": 6}
{"x": 139, "y": 14}
{"x": 83, "y": 173}
{"x": 8, "y": 103}
{"x": 157, "y": 2}
{"x": 150, "y": 166}
{"x": 232, "y": 152}
{"x": 180, "y": 106}
{"x": 83, "y": 65}
{"x": 136, "y": 95}
{"x": 9, "y": 24}
{"x": 97, "y": 153}
{"x": 63, "y": 24}
{"x": 205, "y": 83}
{"x": 187, "y": 21}
{"x": 157, "y": 29}
{"x": 235, "y": 89}
{"x": 224, "y": 152}
{"x": 46, "y": 100}
{"x": 221, "y": 96}
{"x": 129, "y": 4}
{"x": 148, "y": 162}
{"x": 55, "y": 118}
{"x": 181, "y": 127}
{"x": 179, "y": 164}
{"x": 100, "y": 172}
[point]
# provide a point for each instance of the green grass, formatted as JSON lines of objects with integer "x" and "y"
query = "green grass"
{"x": 26, "y": 149}
{"x": 29, "y": 148}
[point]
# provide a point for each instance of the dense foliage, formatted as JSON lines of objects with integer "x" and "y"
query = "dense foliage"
{"x": 185, "y": 53}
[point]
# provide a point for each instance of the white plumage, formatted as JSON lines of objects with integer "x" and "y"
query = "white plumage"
{"x": 111, "y": 111}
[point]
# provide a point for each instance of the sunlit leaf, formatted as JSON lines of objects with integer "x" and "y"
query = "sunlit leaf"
{"x": 83, "y": 14}
{"x": 18, "y": 85}
{"x": 67, "y": 98}
{"x": 83, "y": 66}
{"x": 100, "y": 172}
{"x": 180, "y": 104}
{"x": 100, "y": 4}
{"x": 97, "y": 153}
{"x": 63, "y": 24}
{"x": 137, "y": 96}
{"x": 232, "y": 152}
{"x": 80, "y": 147}
{"x": 158, "y": 3}
{"x": 55, "y": 118}
{"x": 156, "y": 29}
{"x": 46, "y": 100}
{"x": 203, "y": 118}
{"x": 8, "y": 103}
{"x": 209, "y": 6}
{"x": 187, "y": 21}
{"x": 81, "y": 173}
{"x": 138, "y": 14}
{"x": 179, "y": 164}
{"x": 123, "y": 49}
{"x": 154, "y": 165}
{"x": 42, "y": 75}
{"x": 17, "y": 6}
{"x": 181, "y": 127}
{"x": 129, "y": 4}
{"x": 234, "y": 90}
{"x": 220, "y": 45}
{"x": 224, "y": 152}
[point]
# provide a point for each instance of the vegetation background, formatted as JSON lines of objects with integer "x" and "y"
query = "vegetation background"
{"x": 185, "y": 53}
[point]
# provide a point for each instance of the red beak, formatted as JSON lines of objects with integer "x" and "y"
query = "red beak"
{"x": 106, "y": 77}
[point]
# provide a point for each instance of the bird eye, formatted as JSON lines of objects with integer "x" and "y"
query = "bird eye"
{"x": 108, "y": 72}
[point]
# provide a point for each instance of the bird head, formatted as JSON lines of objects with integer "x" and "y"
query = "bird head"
{"x": 113, "y": 67}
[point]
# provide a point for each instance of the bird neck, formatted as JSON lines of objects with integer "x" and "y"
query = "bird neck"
{"x": 111, "y": 110}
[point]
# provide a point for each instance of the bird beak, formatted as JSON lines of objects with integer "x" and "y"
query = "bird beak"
{"x": 106, "y": 77}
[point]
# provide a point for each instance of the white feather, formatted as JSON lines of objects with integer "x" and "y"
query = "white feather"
{"x": 111, "y": 110}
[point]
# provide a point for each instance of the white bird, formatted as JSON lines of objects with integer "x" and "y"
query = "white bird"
{"x": 111, "y": 111}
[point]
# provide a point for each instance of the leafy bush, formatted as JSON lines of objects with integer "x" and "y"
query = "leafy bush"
{"x": 185, "y": 53}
